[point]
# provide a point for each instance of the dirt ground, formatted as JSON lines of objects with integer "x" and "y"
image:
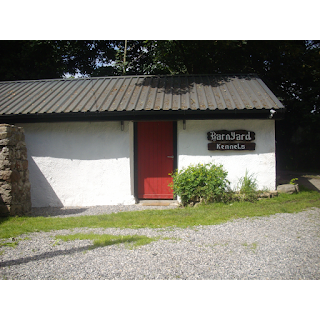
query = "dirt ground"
{"x": 310, "y": 181}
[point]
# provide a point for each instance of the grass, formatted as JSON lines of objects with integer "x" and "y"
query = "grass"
{"x": 210, "y": 214}
{"x": 252, "y": 246}
{"x": 9, "y": 244}
{"x": 102, "y": 240}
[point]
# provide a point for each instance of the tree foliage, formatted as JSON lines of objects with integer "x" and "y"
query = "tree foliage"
{"x": 291, "y": 69}
{"x": 29, "y": 60}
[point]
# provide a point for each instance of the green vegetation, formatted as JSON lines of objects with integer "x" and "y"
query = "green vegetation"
{"x": 278, "y": 62}
{"x": 253, "y": 246}
{"x": 208, "y": 183}
{"x": 247, "y": 184}
{"x": 102, "y": 240}
{"x": 293, "y": 181}
{"x": 201, "y": 181}
{"x": 210, "y": 214}
{"x": 9, "y": 244}
{"x": 247, "y": 189}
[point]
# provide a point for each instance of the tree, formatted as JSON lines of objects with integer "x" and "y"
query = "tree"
{"x": 28, "y": 60}
{"x": 196, "y": 57}
{"x": 291, "y": 69}
{"x": 139, "y": 58}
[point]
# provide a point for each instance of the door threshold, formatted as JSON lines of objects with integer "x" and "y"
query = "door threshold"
{"x": 158, "y": 202}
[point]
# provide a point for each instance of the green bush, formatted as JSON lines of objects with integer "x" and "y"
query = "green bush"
{"x": 205, "y": 182}
{"x": 247, "y": 188}
{"x": 247, "y": 184}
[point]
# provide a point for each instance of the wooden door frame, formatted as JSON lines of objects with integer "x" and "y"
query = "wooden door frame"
{"x": 135, "y": 153}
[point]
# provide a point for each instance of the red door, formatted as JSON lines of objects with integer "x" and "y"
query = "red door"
{"x": 155, "y": 159}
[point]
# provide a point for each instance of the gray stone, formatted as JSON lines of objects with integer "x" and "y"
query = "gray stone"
{"x": 15, "y": 198}
{"x": 268, "y": 194}
{"x": 288, "y": 188}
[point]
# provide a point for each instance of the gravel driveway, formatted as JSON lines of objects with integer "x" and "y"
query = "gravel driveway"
{"x": 282, "y": 246}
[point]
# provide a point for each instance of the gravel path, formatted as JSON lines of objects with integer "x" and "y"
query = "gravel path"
{"x": 282, "y": 246}
{"x": 89, "y": 211}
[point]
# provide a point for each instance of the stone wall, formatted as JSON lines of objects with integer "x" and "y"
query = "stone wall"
{"x": 15, "y": 198}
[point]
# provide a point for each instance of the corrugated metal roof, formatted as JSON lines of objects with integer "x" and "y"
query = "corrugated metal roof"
{"x": 128, "y": 93}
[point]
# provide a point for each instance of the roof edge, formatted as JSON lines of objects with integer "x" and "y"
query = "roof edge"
{"x": 138, "y": 76}
{"x": 143, "y": 115}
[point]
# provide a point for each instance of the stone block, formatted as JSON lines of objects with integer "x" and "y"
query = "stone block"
{"x": 3, "y": 135}
{"x": 24, "y": 176}
{"x": 6, "y": 198}
{"x": 5, "y": 175}
{"x": 22, "y": 154}
{"x": 15, "y": 195}
{"x": 20, "y": 209}
{"x": 4, "y": 142}
{"x": 10, "y": 175}
{"x": 288, "y": 188}
{"x": 15, "y": 176}
{"x": 5, "y": 185}
{"x": 268, "y": 194}
{"x": 21, "y": 145}
{"x": 5, "y": 164}
{"x": 4, "y": 210}
{"x": 16, "y": 209}
{"x": 17, "y": 165}
{"x": 24, "y": 164}
{"x": 5, "y": 127}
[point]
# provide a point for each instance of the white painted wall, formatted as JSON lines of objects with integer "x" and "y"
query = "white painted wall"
{"x": 91, "y": 163}
{"x": 79, "y": 163}
{"x": 193, "y": 148}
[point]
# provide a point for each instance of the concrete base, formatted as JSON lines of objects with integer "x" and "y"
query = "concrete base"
{"x": 310, "y": 181}
{"x": 158, "y": 202}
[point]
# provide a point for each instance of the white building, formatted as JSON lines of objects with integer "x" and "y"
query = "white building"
{"x": 113, "y": 140}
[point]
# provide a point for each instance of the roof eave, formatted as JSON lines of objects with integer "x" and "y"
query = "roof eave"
{"x": 144, "y": 115}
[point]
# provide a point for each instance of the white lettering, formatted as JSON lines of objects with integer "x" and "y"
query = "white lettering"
{"x": 213, "y": 136}
{"x": 218, "y": 146}
{"x": 227, "y": 146}
{"x": 231, "y": 136}
{"x": 243, "y": 146}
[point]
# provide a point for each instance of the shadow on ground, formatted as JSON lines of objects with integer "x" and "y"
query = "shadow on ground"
{"x": 310, "y": 181}
{"x": 45, "y": 255}
{"x": 54, "y": 211}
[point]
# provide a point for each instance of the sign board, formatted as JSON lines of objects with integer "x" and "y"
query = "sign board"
{"x": 231, "y": 140}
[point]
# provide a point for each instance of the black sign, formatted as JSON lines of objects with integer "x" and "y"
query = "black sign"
{"x": 234, "y": 135}
{"x": 231, "y": 140}
{"x": 222, "y": 146}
